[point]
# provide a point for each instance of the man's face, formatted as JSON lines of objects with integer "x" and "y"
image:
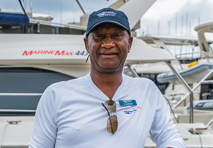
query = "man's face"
{"x": 108, "y": 46}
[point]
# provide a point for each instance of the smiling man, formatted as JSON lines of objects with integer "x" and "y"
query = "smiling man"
{"x": 108, "y": 45}
{"x": 104, "y": 108}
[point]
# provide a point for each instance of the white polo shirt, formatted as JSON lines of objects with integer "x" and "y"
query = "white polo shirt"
{"x": 70, "y": 115}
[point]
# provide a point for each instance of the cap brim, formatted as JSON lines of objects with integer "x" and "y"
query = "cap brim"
{"x": 106, "y": 21}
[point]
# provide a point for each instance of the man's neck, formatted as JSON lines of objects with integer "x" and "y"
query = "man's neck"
{"x": 107, "y": 83}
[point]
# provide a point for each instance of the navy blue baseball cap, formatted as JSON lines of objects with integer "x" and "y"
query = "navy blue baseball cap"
{"x": 107, "y": 15}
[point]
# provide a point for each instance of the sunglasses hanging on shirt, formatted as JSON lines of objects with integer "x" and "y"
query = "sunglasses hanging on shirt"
{"x": 112, "y": 122}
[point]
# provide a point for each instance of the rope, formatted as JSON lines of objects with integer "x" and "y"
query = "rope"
{"x": 199, "y": 134}
{"x": 3, "y": 134}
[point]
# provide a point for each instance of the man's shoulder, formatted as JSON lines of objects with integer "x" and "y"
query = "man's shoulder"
{"x": 138, "y": 81}
{"x": 68, "y": 85}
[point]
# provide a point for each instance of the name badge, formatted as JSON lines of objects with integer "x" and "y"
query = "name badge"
{"x": 127, "y": 103}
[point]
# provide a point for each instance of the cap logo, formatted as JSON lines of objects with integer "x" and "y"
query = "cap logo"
{"x": 107, "y": 13}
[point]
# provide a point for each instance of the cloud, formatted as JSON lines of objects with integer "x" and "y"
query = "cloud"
{"x": 163, "y": 8}
{"x": 180, "y": 22}
{"x": 159, "y": 19}
{"x": 10, "y": 5}
{"x": 68, "y": 9}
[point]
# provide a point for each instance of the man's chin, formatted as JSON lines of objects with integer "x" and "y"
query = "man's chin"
{"x": 111, "y": 70}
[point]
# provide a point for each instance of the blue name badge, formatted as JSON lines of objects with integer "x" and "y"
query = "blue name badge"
{"x": 127, "y": 103}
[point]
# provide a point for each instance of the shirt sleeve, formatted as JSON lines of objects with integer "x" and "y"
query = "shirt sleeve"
{"x": 44, "y": 129}
{"x": 163, "y": 131}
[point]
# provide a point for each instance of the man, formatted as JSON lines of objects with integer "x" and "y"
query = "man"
{"x": 105, "y": 108}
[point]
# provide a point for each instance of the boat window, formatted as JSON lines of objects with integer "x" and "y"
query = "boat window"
{"x": 21, "y": 88}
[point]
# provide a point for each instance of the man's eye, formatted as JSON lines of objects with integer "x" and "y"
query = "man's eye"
{"x": 99, "y": 36}
{"x": 116, "y": 36}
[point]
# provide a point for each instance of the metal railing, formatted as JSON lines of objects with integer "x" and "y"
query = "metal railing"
{"x": 192, "y": 53}
{"x": 20, "y": 94}
{"x": 49, "y": 23}
{"x": 193, "y": 89}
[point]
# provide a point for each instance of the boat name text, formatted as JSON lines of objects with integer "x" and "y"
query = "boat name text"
{"x": 53, "y": 52}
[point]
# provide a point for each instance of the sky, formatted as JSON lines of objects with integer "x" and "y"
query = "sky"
{"x": 165, "y": 17}
{"x": 176, "y": 17}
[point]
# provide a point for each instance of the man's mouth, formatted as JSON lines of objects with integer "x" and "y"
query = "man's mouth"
{"x": 108, "y": 53}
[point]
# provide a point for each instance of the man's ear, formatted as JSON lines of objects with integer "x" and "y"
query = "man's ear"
{"x": 130, "y": 43}
{"x": 86, "y": 44}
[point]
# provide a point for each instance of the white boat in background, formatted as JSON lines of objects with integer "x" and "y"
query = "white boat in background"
{"x": 163, "y": 42}
{"x": 202, "y": 104}
{"x": 191, "y": 66}
{"x": 201, "y": 67}
{"x": 175, "y": 93}
{"x": 191, "y": 75}
{"x": 152, "y": 70}
{"x": 191, "y": 72}
{"x": 203, "y": 43}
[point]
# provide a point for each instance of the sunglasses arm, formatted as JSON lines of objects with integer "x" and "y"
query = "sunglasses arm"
{"x": 106, "y": 109}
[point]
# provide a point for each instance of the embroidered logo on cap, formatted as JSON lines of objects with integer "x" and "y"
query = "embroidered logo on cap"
{"x": 107, "y": 13}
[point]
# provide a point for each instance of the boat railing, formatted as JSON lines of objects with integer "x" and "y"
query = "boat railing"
{"x": 189, "y": 89}
{"x": 18, "y": 110}
{"x": 193, "y": 89}
{"x": 49, "y": 23}
{"x": 20, "y": 94}
{"x": 171, "y": 109}
{"x": 210, "y": 123}
{"x": 179, "y": 56}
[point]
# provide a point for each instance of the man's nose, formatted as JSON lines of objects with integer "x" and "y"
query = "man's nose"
{"x": 108, "y": 43}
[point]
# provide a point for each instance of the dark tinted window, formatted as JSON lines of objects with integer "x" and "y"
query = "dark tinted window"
{"x": 25, "y": 80}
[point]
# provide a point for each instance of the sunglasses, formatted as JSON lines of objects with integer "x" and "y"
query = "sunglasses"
{"x": 112, "y": 122}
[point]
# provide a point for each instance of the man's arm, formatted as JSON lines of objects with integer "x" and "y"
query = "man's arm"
{"x": 44, "y": 130}
{"x": 163, "y": 131}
